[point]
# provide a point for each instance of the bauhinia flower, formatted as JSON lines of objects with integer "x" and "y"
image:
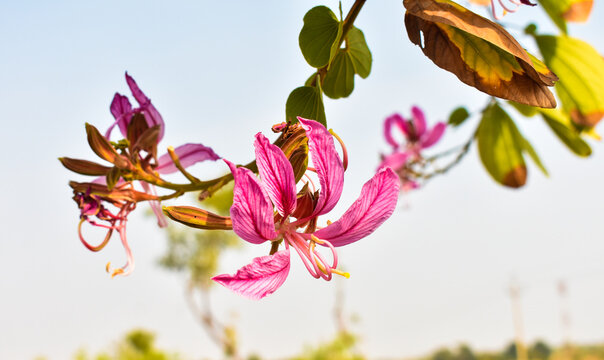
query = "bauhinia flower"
{"x": 188, "y": 154}
{"x": 270, "y": 209}
{"x": 416, "y": 138}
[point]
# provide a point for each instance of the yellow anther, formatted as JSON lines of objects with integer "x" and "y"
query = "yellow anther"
{"x": 329, "y": 222}
{"x": 342, "y": 273}
{"x": 116, "y": 272}
{"x": 315, "y": 240}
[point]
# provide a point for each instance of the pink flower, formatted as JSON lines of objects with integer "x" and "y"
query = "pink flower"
{"x": 416, "y": 138}
{"x": 188, "y": 154}
{"x": 269, "y": 210}
{"x": 507, "y": 8}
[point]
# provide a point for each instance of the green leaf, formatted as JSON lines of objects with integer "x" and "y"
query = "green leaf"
{"x": 307, "y": 102}
{"x": 320, "y": 35}
{"x": 526, "y": 146}
{"x": 499, "y": 151}
{"x": 500, "y": 146}
{"x": 339, "y": 79}
{"x": 458, "y": 116}
{"x": 581, "y": 71}
{"x": 562, "y": 126}
{"x": 360, "y": 55}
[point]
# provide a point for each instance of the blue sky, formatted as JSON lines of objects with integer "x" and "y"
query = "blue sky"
{"x": 435, "y": 274}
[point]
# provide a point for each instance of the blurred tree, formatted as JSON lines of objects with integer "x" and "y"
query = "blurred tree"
{"x": 540, "y": 351}
{"x": 197, "y": 253}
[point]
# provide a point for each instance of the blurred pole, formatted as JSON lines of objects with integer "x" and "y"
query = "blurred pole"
{"x": 514, "y": 291}
{"x": 565, "y": 318}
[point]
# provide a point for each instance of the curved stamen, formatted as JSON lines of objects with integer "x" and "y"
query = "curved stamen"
{"x": 102, "y": 244}
{"x": 501, "y": 2}
{"x": 293, "y": 242}
{"x": 314, "y": 188}
{"x": 344, "y": 151}
{"x": 321, "y": 263}
{"x": 326, "y": 243}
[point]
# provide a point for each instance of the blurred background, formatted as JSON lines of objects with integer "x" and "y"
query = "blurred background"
{"x": 461, "y": 261}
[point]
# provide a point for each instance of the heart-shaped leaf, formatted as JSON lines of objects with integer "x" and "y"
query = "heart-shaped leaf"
{"x": 478, "y": 51}
{"x": 339, "y": 80}
{"x": 355, "y": 58}
{"x": 581, "y": 71}
{"x": 320, "y": 35}
{"x": 359, "y": 52}
{"x": 307, "y": 102}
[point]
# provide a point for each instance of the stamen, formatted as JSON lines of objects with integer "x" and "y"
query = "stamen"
{"x": 292, "y": 241}
{"x": 314, "y": 189}
{"x": 341, "y": 273}
{"x": 344, "y": 151}
{"x": 91, "y": 247}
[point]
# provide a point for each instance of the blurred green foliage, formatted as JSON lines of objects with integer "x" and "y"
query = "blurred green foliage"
{"x": 136, "y": 345}
{"x": 342, "y": 347}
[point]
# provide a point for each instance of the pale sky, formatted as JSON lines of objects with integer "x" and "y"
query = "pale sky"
{"x": 435, "y": 274}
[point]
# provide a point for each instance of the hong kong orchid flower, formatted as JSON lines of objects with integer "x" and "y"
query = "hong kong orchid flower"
{"x": 416, "y": 138}
{"x": 268, "y": 209}
{"x": 508, "y": 8}
{"x": 188, "y": 154}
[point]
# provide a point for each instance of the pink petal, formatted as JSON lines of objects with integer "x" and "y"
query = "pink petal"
{"x": 431, "y": 137}
{"x": 188, "y": 154}
{"x": 394, "y": 119}
{"x": 327, "y": 163}
{"x": 260, "y": 278}
{"x": 252, "y": 210}
{"x": 152, "y": 116}
{"x": 394, "y": 161}
{"x": 375, "y": 204}
{"x": 277, "y": 175}
{"x": 121, "y": 109}
{"x": 419, "y": 121}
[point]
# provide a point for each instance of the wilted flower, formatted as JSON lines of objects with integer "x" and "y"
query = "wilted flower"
{"x": 93, "y": 201}
{"x": 269, "y": 210}
{"x": 134, "y": 157}
{"x": 416, "y": 138}
{"x": 124, "y": 114}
